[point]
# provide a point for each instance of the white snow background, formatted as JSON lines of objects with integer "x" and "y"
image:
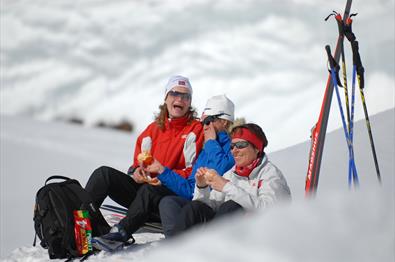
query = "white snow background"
{"x": 110, "y": 60}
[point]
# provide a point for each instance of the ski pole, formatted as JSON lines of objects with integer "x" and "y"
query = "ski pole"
{"x": 340, "y": 25}
{"x": 345, "y": 87}
{"x": 351, "y": 37}
{"x": 360, "y": 76}
{"x": 361, "y": 83}
{"x": 335, "y": 80}
{"x": 351, "y": 173}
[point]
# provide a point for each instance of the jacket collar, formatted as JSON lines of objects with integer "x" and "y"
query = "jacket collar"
{"x": 257, "y": 169}
{"x": 177, "y": 123}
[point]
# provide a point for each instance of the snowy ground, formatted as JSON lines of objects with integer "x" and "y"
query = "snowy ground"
{"x": 339, "y": 225}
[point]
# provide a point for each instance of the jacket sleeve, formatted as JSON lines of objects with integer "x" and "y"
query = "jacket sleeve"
{"x": 178, "y": 184}
{"x": 192, "y": 147}
{"x": 210, "y": 197}
{"x": 213, "y": 156}
{"x": 273, "y": 189}
{"x": 137, "y": 150}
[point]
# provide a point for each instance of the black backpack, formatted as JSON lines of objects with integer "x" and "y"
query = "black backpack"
{"x": 54, "y": 219}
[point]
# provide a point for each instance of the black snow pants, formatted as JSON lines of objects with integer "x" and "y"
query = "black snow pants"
{"x": 197, "y": 212}
{"x": 142, "y": 200}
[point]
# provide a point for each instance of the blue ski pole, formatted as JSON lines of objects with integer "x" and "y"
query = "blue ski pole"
{"x": 335, "y": 81}
{"x": 354, "y": 176}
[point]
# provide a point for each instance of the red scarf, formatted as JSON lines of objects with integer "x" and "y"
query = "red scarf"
{"x": 245, "y": 171}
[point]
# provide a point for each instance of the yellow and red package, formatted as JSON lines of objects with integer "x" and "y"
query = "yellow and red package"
{"x": 82, "y": 231}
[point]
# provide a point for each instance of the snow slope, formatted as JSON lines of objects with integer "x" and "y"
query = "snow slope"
{"x": 339, "y": 225}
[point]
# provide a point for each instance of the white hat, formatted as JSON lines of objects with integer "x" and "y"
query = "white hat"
{"x": 220, "y": 105}
{"x": 178, "y": 81}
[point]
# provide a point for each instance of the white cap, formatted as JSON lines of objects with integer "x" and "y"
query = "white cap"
{"x": 178, "y": 81}
{"x": 218, "y": 105}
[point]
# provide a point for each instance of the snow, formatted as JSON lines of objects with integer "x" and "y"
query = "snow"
{"x": 109, "y": 60}
{"x": 339, "y": 224}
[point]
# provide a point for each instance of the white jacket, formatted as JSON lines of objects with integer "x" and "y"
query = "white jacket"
{"x": 264, "y": 186}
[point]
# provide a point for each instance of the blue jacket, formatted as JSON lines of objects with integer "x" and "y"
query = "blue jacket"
{"x": 216, "y": 154}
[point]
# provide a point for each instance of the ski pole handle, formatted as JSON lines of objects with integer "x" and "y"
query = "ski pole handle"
{"x": 355, "y": 53}
{"x": 358, "y": 63}
{"x": 330, "y": 57}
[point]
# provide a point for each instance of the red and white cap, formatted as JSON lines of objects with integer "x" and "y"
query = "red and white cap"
{"x": 178, "y": 80}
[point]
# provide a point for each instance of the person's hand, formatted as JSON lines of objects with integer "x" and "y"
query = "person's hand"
{"x": 139, "y": 175}
{"x": 200, "y": 178}
{"x": 154, "y": 181}
{"x": 214, "y": 180}
{"x": 155, "y": 168}
{"x": 209, "y": 132}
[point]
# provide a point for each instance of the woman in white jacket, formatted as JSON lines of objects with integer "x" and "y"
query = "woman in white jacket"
{"x": 253, "y": 182}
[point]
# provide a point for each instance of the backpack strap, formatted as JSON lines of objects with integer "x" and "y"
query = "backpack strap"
{"x": 35, "y": 239}
{"x": 56, "y": 177}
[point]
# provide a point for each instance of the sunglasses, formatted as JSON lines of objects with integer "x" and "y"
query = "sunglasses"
{"x": 210, "y": 119}
{"x": 239, "y": 145}
{"x": 183, "y": 96}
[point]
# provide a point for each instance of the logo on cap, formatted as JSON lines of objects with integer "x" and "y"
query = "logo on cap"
{"x": 181, "y": 83}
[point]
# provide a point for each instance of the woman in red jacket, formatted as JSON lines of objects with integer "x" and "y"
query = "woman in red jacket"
{"x": 173, "y": 140}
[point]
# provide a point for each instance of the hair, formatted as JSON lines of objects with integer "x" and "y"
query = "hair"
{"x": 163, "y": 114}
{"x": 254, "y": 128}
{"x": 237, "y": 122}
{"x": 227, "y": 125}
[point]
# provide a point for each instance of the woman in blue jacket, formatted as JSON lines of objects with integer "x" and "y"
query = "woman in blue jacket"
{"x": 217, "y": 116}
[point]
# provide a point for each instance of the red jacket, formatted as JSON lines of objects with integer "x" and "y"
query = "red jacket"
{"x": 176, "y": 147}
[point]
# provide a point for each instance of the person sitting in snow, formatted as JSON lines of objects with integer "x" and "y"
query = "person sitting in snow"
{"x": 172, "y": 143}
{"x": 217, "y": 117}
{"x": 254, "y": 182}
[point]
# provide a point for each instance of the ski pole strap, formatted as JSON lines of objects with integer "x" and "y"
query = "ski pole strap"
{"x": 358, "y": 63}
{"x": 333, "y": 64}
{"x": 347, "y": 27}
{"x": 339, "y": 20}
{"x": 344, "y": 26}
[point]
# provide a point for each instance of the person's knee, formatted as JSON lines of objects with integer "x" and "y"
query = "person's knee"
{"x": 99, "y": 177}
{"x": 193, "y": 208}
{"x": 170, "y": 207}
{"x": 166, "y": 203}
{"x": 163, "y": 204}
{"x": 229, "y": 207}
{"x": 100, "y": 172}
